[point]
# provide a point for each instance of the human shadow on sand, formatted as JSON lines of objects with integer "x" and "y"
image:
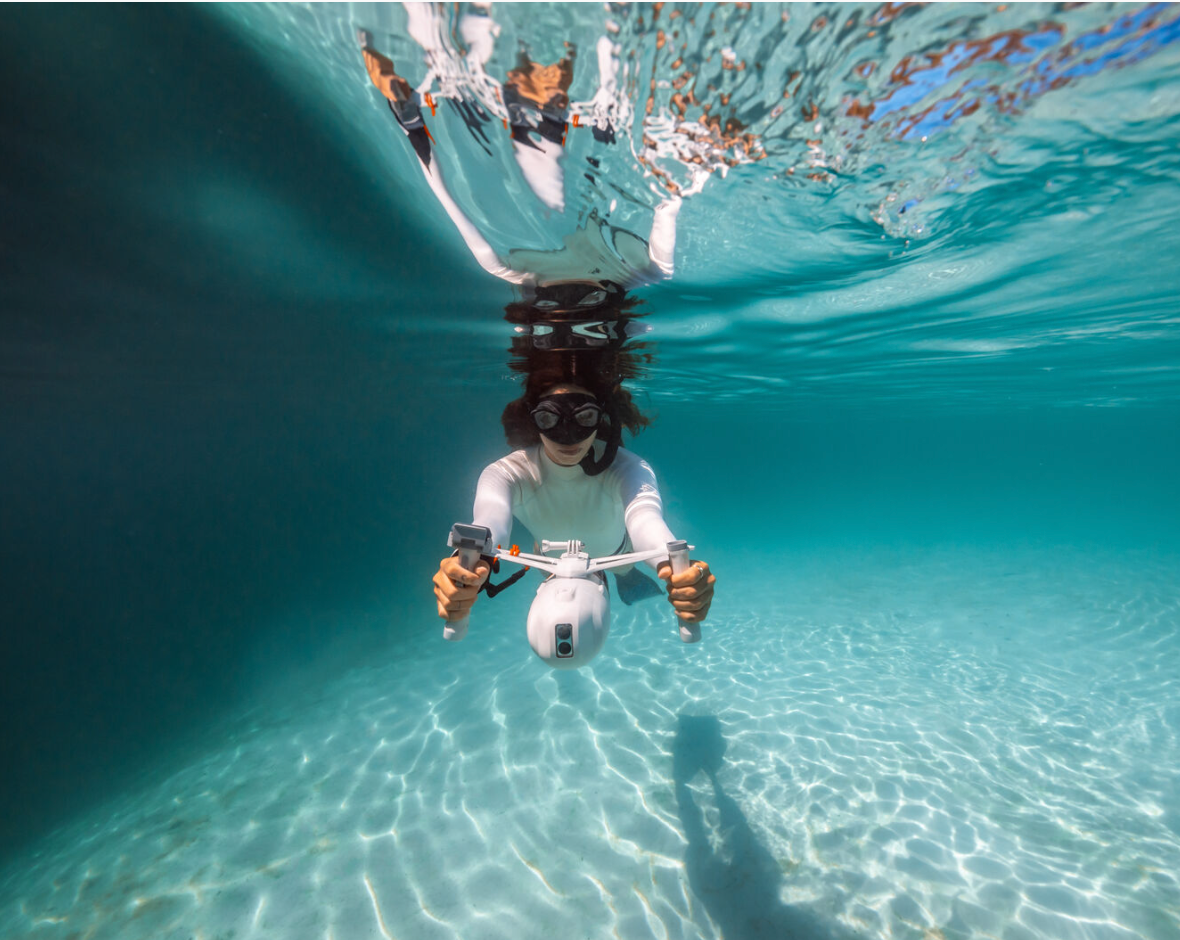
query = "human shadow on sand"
{"x": 733, "y": 874}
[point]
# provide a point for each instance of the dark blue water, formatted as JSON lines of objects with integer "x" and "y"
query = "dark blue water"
{"x": 190, "y": 447}
{"x": 249, "y": 375}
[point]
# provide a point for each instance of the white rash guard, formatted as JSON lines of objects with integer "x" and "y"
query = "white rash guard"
{"x": 560, "y": 503}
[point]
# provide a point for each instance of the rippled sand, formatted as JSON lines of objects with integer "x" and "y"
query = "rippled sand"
{"x": 941, "y": 744}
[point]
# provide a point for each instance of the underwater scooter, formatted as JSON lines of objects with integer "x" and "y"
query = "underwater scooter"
{"x": 569, "y": 618}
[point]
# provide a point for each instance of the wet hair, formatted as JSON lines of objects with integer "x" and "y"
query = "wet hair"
{"x": 599, "y": 374}
{"x": 596, "y": 355}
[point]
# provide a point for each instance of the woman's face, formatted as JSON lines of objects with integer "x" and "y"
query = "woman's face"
{"x": 567, "y": 455}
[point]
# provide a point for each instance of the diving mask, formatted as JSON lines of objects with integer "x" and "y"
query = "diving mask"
{"x": 567, "y": 417}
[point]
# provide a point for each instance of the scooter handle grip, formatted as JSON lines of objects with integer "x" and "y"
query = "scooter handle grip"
{"x": 678, "y": 558}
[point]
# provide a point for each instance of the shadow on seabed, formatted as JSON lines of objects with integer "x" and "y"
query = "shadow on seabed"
{"x": 734, "y": 875}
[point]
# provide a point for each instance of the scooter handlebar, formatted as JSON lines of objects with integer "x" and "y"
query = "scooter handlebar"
{"x": 470, "y": 542}
{"x": 678, "y": 557}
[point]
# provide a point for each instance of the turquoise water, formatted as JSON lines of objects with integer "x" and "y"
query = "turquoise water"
{"x": 913, "y": 395}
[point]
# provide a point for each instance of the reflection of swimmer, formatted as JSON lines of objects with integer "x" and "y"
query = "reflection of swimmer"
{"x": 537, "y": 99}
{"x": 537, "y": 103}
{"x": 404, "y": 102}
{"x": 534, "y": 95}
{"x": 570, "y": 478}
{"x": 406, "y": 105}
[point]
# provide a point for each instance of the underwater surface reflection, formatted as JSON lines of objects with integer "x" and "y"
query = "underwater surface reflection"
{"x": 910, "y": 353}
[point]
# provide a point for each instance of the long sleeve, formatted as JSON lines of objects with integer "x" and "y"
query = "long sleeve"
{"x": 643, "y": 510}
{"x": 493, "y": 502}
{"x": 556, "y": 502}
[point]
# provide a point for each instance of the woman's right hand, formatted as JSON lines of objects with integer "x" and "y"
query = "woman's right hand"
{"x": 456, "y": 588}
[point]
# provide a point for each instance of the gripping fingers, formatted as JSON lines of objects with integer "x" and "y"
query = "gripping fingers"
{"x": 448, "y": 593}
{"x": 701, "y": 590}
{"x": 460, "y": 576}
{"x": 692, "y": 599}
{"x": 451, "y": 576}
{"x": 452, "y": 607}
{"x": 695, "y": 576}
{"x": 451, "y": 613}
{"x": 693, "y": 611}
{"x": 444, "y": 587}
{"x": 456, "y": 588}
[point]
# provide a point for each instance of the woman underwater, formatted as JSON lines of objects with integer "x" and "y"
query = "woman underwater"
{"x": 568, "y": 476}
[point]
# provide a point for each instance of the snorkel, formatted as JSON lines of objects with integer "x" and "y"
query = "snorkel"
{"x": 614, "y": 439}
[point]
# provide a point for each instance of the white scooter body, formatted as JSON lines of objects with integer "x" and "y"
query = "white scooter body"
{"x": 569, "y": 621}
{"x": 569, "y": 618}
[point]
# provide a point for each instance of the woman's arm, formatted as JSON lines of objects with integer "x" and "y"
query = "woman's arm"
{"x": 493, "y": 502}
{"x": 691, "y": 591}
{"x": 455, "y": 587}
{"x": 643, "y": 510}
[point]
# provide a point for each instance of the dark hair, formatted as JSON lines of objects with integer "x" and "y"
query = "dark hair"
{"x": 569, "y": 369}
{"x": 559, "y": 344}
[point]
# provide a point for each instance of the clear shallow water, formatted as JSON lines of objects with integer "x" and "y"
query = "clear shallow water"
{"x": 914, "y": 743}
{"x": 250, "y": 373}
{"x": 953, "y": 200}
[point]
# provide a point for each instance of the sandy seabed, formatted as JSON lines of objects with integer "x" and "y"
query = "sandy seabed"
{"x": 937, "y": 743}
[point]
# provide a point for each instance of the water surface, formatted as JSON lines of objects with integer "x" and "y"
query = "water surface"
{"x": 913, "y": 394}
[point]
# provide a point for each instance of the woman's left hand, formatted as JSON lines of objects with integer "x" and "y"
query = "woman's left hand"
{"x": 691, "y": 591}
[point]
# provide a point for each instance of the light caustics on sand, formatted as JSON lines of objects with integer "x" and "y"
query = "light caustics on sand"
{"x": 934, "y": 766}
{"x": 966, "y": 745}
